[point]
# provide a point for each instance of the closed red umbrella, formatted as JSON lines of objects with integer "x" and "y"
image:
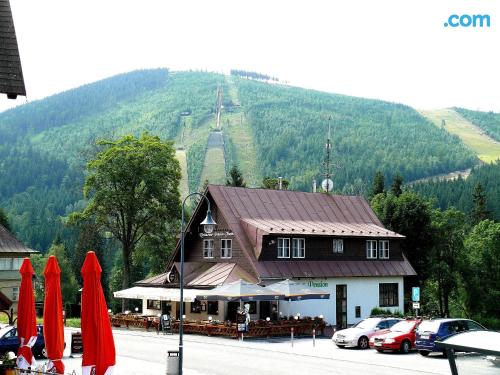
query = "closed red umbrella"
{"x": 97, "y": 337}
{"x": 53, "y": 326}
{"x": 26, "y": 317}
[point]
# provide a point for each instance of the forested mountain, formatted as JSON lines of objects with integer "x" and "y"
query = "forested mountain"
{"x": 487, "y": 121}
{"x": 458, "y": 193}
{"x": 44, "y": 144}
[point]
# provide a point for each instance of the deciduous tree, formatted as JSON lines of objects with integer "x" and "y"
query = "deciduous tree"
{"x": 133, "y": 190}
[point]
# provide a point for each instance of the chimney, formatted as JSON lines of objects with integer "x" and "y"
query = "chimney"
{"x": 314, "y": 186}
{"x": 280, "y": 183}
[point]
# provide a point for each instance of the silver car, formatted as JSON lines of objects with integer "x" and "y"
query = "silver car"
{"x": 359, "y": 334}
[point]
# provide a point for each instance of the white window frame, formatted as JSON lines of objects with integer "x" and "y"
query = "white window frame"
{"x": 283, "y": 251}
{"x": 208, "y": 248}
{"x": 371, "y": 252}
{"x": 226, "y": 248}
{"x": 299, "y": 248}
{"x": 338, "y": 246}
{"x": 383, "y": 251}
{"x": 5, "y": 264}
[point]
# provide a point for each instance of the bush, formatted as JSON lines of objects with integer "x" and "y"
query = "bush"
{"x": 377, "y": 311}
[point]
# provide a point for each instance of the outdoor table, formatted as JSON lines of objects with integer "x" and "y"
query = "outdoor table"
{"x": 258, "y": 328}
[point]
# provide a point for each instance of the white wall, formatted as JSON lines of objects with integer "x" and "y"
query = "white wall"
{"x": 361, "y": 291}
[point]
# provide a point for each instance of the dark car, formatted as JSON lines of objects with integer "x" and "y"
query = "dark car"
{"x": 430, "y": 331}
{"x": 9, "y": 342}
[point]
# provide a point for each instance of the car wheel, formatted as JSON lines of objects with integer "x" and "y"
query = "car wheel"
{"x": 363, "y": 342}
{"x": 405, "y": 347}
{"x": 424, "y": 353}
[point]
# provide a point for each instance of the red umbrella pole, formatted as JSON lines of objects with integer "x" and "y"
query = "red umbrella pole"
{"x": 53, "y": 329}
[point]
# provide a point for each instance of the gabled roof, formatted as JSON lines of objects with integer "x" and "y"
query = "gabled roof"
{"x": 11, "y": 73}
{"x": 10, "y": 244}
{"x": 254, "y": 213}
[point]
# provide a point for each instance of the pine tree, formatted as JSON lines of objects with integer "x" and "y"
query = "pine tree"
{"x": 378, "y": 185}
{"x": 397, "y": 184}
{"x": 235, "y": 178}
{"x": 479, "y": 211}
{"x": 4, "y": 221}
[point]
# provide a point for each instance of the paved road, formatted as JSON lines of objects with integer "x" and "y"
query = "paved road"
{"x": 145, "y": 353}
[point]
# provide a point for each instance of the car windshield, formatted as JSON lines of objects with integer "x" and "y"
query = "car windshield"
{"x": 429, "y": 326}
{"x": 367, "y": 323}
{"x": 403, "y": 326}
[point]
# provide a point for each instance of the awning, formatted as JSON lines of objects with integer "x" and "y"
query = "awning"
{"x": 162, "y": 294}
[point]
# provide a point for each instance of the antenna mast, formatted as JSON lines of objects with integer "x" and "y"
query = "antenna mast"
{"x": 327, "y": 183}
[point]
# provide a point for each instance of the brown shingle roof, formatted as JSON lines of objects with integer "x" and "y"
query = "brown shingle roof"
{"x": 10, "y": 244}
{"x": 11, "y": 73}
{"x": 253, "y": 213}
{"x": 337, "y": 268}
{"x": 222, "y": 273}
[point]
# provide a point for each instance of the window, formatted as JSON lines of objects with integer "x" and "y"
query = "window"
{"x": 226, "y": 248}
{"x": 283, "y": 248}
{"x": 15, "y": 293}
{"x": 208, "y": 248}
{"x": 154, "y": 304}
{"x": 383, "y": 249}
{"x": 252, "y": 307}
{"x": 5, "y": 264}
{"x": 196, "y": 306}
{"x": 299, "y": 247}
{"x": 16, "y": 263}
{"x": 358, "y": 311}
{"x": 213, "y": 308}
{"x": 371, "y": 249}
{"x": 338, "y": 246}
{"x": 388, "y": 294}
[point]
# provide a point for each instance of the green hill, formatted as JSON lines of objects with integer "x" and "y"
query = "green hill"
{"x": 458, "y": 192}
{"x": 467, "y": 129}
{"x": 489, "y": 122}
{"x": 267, "y": 129}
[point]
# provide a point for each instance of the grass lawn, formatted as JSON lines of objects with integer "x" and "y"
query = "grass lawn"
{"x": 486, "y": 148}
{"x": 240, "y": 133}
{"x": 184, "y": 186}
{"x": 70, "y": 322}
{"x": 214, "y": 166}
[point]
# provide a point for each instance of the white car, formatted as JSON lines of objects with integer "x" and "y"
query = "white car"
{"x": 359, "y": 334}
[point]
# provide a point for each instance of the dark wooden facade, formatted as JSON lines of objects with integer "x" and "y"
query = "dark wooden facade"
{"x": 321, "y": 248}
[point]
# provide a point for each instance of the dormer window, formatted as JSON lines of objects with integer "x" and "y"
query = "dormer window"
{"x": 338, "y": 246}
{"x": 283, "y": 248}
{"x": 371, "y": 249}
{"x": 383, "y": 249}
{"x": 298, "y": 247}
{"x": 208, "y": 249}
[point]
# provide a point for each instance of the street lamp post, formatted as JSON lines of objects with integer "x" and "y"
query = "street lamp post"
{"x": 208, "y": 227}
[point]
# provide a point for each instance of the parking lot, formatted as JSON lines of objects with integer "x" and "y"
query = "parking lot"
{"x": 146, "y": 352}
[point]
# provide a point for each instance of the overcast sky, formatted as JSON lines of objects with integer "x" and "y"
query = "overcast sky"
{"x": 396, "y": 50}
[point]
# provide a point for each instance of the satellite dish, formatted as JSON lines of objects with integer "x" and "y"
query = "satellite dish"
{"x": 327, "y": 185}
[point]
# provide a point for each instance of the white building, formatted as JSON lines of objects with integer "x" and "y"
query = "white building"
{"x": 331, "y": 242}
